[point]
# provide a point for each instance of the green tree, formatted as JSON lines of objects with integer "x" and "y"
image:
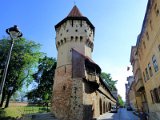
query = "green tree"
{"x": 120, "y": 101}
{"x": 24, "y": 59}
{"x": 108, "y": 79}
{"x": 44, "y": 77}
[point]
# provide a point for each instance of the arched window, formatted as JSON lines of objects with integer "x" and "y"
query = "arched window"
{"x": 100, "y": 106}
{"x": 155, "y": 63}
{"x": 104, "y": 107}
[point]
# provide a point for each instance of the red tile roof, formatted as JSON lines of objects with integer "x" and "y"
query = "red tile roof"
{"x": 75, "y": 12}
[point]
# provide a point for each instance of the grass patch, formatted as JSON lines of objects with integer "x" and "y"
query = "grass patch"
{"x": 19, "y": 111}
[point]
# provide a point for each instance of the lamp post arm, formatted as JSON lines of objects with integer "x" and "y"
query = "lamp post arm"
{"x": 6, "y": 67}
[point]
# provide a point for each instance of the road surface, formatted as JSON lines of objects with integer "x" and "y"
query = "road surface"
{"x": 122, "y": 114}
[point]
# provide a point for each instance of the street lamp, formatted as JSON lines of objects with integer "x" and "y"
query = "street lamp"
{"x": 14, "y": 33}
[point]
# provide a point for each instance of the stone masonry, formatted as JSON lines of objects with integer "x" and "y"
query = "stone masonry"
{"x": 78, "y": 92}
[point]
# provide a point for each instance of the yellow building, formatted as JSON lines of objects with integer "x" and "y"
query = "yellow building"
{"x": 148, "y": 51}
{"x": 138, "y": 85}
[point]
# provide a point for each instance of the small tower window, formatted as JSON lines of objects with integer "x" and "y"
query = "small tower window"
{"x": 87, "y": 41}
{"x": 64, "y": 40}
{"x": 61, "y": 42}
{"x": 76, "y": 30}
{"x": 64, "y": 87}
{"x": 76, "y": 39}
{"x": 61, "y": 34}
{"x": 92, "y": 45}
{"x": 81, "y": 23}
{"x": 85, "y": 30}
{"x": 67, "y": 30}
{"x": 81, "y": 38}
{"x": 58, "y": 43}
{"x": 72, "y": 23}
{"x": 157, "y": 12}
{"x": 71, "y": 38}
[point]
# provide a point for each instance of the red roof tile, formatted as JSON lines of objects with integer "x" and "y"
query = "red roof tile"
{"x": 75, "y": 12}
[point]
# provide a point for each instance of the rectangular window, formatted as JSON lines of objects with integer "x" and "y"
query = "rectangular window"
{"x": 147, "y": 75}
{"x": 155, "y": 63}
{"x": 150, "y": 70}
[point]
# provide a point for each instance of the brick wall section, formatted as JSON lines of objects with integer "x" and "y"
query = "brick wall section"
{"x": 62, "y": 90}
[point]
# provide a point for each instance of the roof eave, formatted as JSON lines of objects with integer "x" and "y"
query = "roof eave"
{"x": 75, "y": 18}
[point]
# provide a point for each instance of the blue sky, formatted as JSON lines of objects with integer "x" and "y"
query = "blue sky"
{"x": 117, "y": 24}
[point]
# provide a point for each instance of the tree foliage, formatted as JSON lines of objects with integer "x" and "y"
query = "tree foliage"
{"x": 24, "y": 59}
{"x": 120, "y": 101}
{"x": 108, "y": 79}
{"x": 44, "y": 77}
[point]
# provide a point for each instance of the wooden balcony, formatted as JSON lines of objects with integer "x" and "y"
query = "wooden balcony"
{"x": 92, "y": 78}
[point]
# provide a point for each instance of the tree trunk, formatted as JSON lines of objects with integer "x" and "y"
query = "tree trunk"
{"x": 3, "y": 98}
{"x": 8, "y": 98}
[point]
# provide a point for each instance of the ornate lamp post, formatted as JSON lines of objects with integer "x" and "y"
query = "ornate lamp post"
{"x": 14, "y": 34}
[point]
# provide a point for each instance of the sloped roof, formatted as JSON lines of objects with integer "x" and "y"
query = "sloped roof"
{"x": 75, "y": 12}
{"x": 86, "y": 58}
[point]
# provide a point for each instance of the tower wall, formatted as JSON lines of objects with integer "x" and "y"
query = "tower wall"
{"x": 67, "y": 101}
{"x": 75, "y": 34}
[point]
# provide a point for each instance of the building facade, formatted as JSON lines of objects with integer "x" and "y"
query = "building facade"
{"x": 78, "y": 92}
{"x": 130, "y": 97}
{"x": 148, "y": 54}
{"x": 138, "y": 86}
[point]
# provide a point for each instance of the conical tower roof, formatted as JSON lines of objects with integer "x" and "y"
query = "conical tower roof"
{"x": 75, "y": 12}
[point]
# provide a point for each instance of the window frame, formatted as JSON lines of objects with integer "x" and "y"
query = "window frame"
{"x": 155, "y": 64}
{"x": 150, "y": 69}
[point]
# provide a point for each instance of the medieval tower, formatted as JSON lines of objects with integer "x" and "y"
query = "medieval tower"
{"x": 76, "y": 81}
